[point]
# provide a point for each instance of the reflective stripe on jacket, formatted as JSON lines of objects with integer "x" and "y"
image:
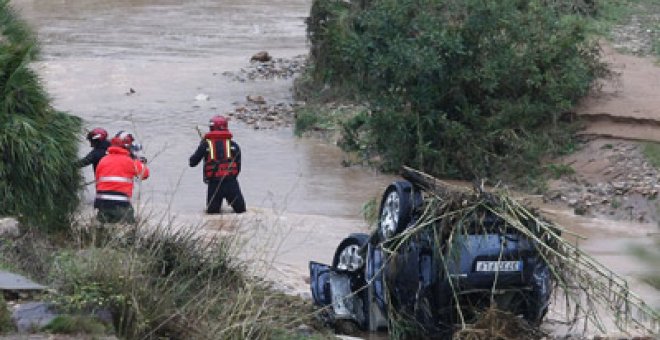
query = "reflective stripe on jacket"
{"x": 113, "y": 197}
{"x": 220, "y": 160}
{"x": 116, "y": 172}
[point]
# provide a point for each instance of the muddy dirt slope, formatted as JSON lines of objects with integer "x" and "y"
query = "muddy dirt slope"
{"x": 627, "y": 106}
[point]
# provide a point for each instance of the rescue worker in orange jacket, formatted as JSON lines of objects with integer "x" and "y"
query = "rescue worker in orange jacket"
{"x": 115, "y": 175}
{"x": 222, "y": 164}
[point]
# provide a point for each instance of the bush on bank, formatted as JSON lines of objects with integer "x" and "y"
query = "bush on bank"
{"x": 167, "y": 282}
{"x": 39, "y": 181}
{"x": 461, "y": 89}
{"x": 5, "y": 317}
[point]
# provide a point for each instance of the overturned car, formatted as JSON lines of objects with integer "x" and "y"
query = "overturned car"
{"x": 435, "y": 261}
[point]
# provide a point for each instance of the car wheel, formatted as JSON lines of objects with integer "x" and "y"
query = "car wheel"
{"x": 396, "y": 208}
{"x": 538, "y": 299}
{"x": 347, "y": 256}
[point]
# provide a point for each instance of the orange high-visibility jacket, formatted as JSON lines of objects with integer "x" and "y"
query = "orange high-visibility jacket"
{"x": 117, "y": 170}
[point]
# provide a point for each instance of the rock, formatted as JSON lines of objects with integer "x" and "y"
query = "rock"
{"x": 553, "y": 195}
{"x": 261, "y": 56}
{"x": 256, "y": 99}
{"x": 32, "y": 315}
{"x": 618, "y": 185}
{"x": 104, "y": 315}
{"x": 581, "y": 209}
{"x": 304, "y": 330}
{"x": 9, "y": 227}
{"x": 201, "y": 97}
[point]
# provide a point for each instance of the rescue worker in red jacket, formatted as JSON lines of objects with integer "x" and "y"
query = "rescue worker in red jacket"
{"x": 98, "y": 140}
{"x": 222, "y": 164}
{"x": 115, "y": 176}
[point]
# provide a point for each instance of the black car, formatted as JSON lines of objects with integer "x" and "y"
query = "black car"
{"x": 405, "y": 272}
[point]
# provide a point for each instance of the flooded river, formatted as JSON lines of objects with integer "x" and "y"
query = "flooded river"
{"x": 94, "y": 51}
{"x": 169, "y": 51}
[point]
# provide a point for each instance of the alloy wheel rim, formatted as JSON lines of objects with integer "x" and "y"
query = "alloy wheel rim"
{"x": 350, "y": 259}
{"x": 390, "y": 215}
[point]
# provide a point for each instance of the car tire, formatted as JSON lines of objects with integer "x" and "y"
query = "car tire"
{"x": 396, "y": 208}
{"x": 539, "y": 298}
{"x": 347, "y": 255}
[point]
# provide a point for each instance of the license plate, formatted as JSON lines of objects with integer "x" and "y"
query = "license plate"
{"x": 499, "y": 266}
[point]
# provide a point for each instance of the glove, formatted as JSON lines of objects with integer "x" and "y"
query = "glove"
{"x": 143, "y": 159}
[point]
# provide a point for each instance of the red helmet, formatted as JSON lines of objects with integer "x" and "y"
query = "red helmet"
{"x": 218, "y": 122}
{"x": 97, "y": 134}
{"x": 123, "y": 139}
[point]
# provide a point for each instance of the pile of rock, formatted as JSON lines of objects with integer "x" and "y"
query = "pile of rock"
{"x": 629, "y": 192}
{"x": 259, "y": 114}
{"x": 263, "y": 66}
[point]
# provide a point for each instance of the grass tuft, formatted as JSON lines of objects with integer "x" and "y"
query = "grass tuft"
{"x": 6, "y": 325}
{"x": 75, "y": 324}
{"x": 652, "y": 153}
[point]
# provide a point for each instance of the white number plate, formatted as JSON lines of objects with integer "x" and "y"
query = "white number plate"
{"x": 501, "y": 266}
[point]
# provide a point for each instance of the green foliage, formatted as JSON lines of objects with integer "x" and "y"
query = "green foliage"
{"x": 74, "y": 324}
{"x": 306, "y": 120}
{"x": 616, "y": 203}
{"x": 370, "y": 211}
{"x": 650, "y": 256}
{"x": 38, "y": 145}
{"x": 559, "y": 170}
{"x": 461, "y": 89}
{"x": 6, "y": 325}
{"x": 652, "y": 153}
{"x": 176, "y": 283}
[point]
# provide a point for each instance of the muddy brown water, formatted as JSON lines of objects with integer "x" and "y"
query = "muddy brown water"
{"x": 94, "y": 51}
{"x": 170, "y": 51}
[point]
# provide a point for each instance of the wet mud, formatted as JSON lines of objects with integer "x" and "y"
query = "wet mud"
{"x": 627, "y": 106}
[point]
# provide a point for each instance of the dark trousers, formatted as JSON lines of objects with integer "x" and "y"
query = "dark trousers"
{"x": 110, "y": 212}
{"x": 224, "y": 188}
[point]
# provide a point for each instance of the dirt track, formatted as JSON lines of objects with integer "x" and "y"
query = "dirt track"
{"x": 627, "y": 106}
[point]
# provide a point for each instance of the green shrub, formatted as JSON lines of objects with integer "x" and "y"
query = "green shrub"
{"x": 38, "y": 145}
{"x": 652, "y": 153}
{"x": 306, "y": 120}
{"x": 649, "y": 255}
{"x": 6, "y": 325}
{"x": 178, "y": 283}
{"x": 74, "y": 324}
{"x": 461, "y": 89}
{"x": 558, "y": 171}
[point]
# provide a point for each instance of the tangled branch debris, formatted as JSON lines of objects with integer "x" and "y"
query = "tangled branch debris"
{"x": 590, "y": 290}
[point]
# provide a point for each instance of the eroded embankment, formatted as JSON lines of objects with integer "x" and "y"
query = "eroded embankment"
{"x": 626, "y": 106}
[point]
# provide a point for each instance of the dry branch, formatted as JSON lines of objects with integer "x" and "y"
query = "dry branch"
{"x": 588, "y": 286}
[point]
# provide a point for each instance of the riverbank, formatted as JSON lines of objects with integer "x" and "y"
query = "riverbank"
{"x": 146, "y": 280}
